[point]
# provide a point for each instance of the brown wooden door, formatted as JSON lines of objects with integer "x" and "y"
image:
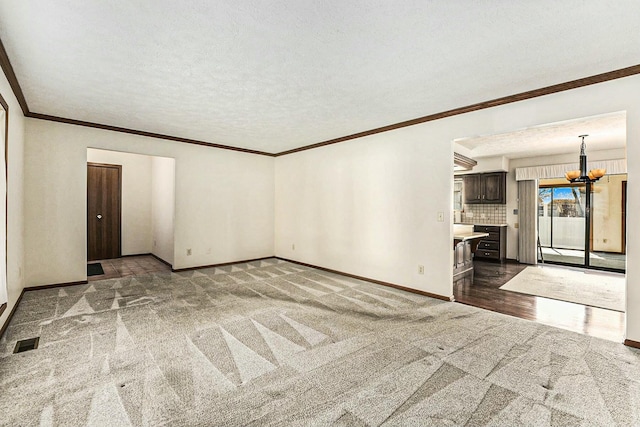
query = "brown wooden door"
{"x": 103, "y": 211}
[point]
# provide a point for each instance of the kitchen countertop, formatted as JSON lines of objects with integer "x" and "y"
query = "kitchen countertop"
{"x": 490, "y": 225}
{"x": 469, "y": 236}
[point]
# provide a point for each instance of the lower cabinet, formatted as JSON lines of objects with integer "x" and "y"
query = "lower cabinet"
{"x": 462, "y": 259}
{"x": 493, "y": 247}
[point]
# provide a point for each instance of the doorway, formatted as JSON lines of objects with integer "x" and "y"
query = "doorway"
{"x": 142, "y": 192}
{"x": 104, "y": 210}
{"x": 541, "y": 153}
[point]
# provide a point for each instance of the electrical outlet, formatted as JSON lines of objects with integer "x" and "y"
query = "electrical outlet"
{"x": 189, "y": 252}
{"x": 293, "y": 247}
{"x": 421, "y": 269}
{"x": 483, "y": 216}
{"x": 154, "y": 243}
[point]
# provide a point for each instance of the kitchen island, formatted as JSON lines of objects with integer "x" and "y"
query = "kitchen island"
{"x": 465, "y": 243}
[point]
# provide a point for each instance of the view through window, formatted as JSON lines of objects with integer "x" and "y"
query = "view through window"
{"x": 561, "y": 222}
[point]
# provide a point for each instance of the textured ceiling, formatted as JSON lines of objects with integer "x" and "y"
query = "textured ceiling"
{"x": 276, "y": 75}
{"x": 607, "y": 131}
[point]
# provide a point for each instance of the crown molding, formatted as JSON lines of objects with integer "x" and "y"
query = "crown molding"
{"x": 463, "y": 161}
{"x": 548, "y": 90}
{"x": 7, "y": 68}
{"x": 143, "y": 133}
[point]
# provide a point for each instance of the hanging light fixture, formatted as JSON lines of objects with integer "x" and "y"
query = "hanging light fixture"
{"x": 588, "y": 178}
{"x": 582, "y": 175}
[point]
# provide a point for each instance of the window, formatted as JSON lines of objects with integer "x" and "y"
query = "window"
{"x": 457, "y": 195}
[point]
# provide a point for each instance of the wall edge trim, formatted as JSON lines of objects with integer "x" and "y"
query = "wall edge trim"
{"x": 377, "y": 282}
{"x": 55, "y": 285}
{"x": 161, "y": 260}
{"x": 35, "y": 288}
{"x": 632, "y": 343}
{"x": 10, "y": 316}
{"x": 132, "y": 255}
{"x": 64, "y": 120}
{"x": 178, "y": 270}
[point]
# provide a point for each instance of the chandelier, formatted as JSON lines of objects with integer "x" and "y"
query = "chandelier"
{"x": 588, "y": 178}
{"x": 582, "y": 175}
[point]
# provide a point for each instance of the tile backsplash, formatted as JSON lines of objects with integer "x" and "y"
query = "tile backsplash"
{"x": 484, "y": 214}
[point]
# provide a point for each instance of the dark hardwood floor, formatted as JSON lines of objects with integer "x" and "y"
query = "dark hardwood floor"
{"x": 483, "y": 291}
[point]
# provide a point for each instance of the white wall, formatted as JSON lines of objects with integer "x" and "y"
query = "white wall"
{"x": 368, "y": 206}
{"x": 224, "y": 200}
{"x": 15, "y": 192}
{"x": 136, "y": 197}
{"x": 162, "y": 206}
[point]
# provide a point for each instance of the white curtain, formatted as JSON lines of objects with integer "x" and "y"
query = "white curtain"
{"x": 527, "y": 219}
{"x": 613, "y": 167}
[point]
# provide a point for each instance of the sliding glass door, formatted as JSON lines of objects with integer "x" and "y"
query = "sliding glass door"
{"x": 562, "y": 228}
{"x": 561, "y": 223}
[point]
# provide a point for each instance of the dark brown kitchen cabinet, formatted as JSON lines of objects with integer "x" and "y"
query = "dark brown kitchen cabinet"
{"x": 494, "y": 246}
{"x": 472, "y": 188}
{"x": 494, "y": 187}
{"x": 487, "y": 188}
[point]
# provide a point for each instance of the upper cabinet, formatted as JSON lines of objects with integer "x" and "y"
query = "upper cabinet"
{"x": 495, "y": 187}
{"x": 489, "y": 188}
{"x": 472, "y": 188}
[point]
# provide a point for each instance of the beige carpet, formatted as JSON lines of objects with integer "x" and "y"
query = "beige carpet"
{"x": 275, "y": 344}
{"x": 596, "y": 289}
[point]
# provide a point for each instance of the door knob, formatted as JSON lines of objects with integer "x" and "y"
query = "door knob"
{"x": 99, "y": 216}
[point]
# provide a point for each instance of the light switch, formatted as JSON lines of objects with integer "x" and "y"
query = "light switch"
{"x": 440, "y": 216}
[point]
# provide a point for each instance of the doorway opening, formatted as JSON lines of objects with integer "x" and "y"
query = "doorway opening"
{"x": 130, "y": 213}
{"x": 540, "y": 202}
